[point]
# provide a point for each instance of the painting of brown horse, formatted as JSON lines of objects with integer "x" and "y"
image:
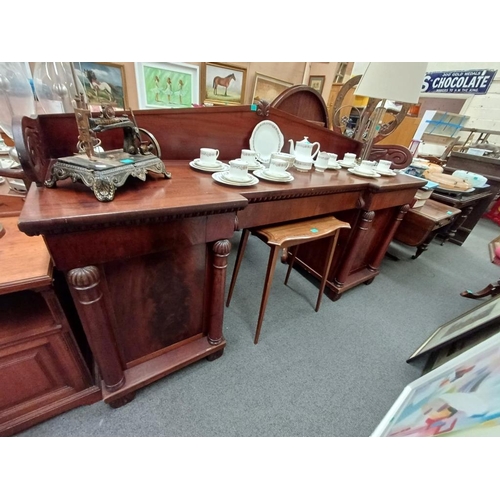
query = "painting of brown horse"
{"x": 223, "y": 82}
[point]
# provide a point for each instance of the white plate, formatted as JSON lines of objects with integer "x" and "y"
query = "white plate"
{"x": 389, "y": 173}
{"x": 2, "y": 180}
{"x": 226, "y": 176}
{"x": 262, "y": 174}
{"x": 220, "y": 168}
{"x": 363, "y": 174}
{"x": 345, "y": 165}
{"x": 266, "y": 138}
{"x": 218, "y": 176}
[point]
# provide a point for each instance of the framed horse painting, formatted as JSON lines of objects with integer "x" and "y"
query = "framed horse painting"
{"x": 167, "y": 85}
{"x": 104, "y": 83}
{"x": 223, "y": 84}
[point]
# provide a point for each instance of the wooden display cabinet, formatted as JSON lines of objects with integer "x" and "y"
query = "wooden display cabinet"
{"x": 42, "y": 373}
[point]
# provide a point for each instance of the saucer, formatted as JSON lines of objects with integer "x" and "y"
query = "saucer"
{"x": 226, "y": 176}
{"x": 254, "y": 166}
{"x": 389, "y": 173}
{"x": 220, "y": 168}
{"x": 218, "y": 176}
{"x": 283, "y": 175}
{"x": 363, "y": 174}
{"x": 346, "y": 165}
{"x": 202, "y": 164}
{"x": 262, "y": 174}
{"x": 335, "y": 166}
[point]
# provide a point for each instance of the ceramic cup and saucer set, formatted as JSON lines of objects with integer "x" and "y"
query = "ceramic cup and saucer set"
{"x": 383, "y": 167}
{"x": 364, "y": 169}
{"x": 326, "y": 161}
{"x": 349, "y": 161}
{"x": 277, "y": 171}
{"x": 208, "y": 162}
{"x": 236, "y": 175}
{"x": 250, "y": 157}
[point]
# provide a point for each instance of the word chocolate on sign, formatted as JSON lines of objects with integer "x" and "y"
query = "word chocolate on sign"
{"x": 474, "y": 81}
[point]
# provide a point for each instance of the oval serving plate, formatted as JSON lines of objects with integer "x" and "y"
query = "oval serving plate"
{"x": 266, "y": 138}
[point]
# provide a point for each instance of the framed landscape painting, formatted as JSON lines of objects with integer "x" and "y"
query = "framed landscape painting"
{"x": 459, "y": 398}
{"x": 167, "y": 85}
{"x": 223, "y": 84}
{"x": 267, "y": 88}
{"x": 103, "y": 83}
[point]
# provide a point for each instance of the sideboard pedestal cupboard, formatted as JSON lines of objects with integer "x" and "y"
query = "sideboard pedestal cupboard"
{"x": 147, "y": 271}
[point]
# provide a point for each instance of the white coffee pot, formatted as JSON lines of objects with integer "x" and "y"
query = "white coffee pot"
{"x": 303, "y": 150}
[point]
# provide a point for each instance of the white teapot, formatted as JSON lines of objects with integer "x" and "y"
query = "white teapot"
{"x": 303, "y": 149}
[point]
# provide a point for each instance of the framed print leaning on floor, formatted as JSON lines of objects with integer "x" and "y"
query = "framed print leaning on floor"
{"x": 103, "y": 83}
{"x": 223, "y": 83}
{"x": 267, "y": 88}
{"x": 167, "y": 85}
{"x": 459, "y": 398}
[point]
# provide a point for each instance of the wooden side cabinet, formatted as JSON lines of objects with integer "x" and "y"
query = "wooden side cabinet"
{"x": 42, "y": 372}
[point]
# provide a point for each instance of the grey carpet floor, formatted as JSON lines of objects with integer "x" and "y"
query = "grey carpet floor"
{"x": 331, "y": 373}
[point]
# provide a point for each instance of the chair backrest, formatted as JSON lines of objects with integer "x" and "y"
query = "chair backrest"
{"x": 305, "y": 102}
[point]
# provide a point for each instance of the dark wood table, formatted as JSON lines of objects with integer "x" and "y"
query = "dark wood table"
{"x": 420, "y": 225}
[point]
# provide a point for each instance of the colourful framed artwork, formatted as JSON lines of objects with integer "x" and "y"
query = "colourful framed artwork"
{"x": 317, "y": 82}
{"x": 267, "y": 88}
{"x": 459, "y": 398}
{"x": 103, "y": 83}
{"x": 167, "y": 85}
{"x": 480, "y": 316}
{"x": 223, "y": 84}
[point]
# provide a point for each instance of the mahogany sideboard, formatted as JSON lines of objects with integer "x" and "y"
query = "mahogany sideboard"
{"x": 147, "y": 270}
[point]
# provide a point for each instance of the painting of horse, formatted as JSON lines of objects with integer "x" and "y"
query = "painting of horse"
{"x": 223, "y": 84}
{"x": 103, "y": 83}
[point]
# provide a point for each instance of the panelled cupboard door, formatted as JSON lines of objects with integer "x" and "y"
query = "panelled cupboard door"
{"x": 37, "y": 375}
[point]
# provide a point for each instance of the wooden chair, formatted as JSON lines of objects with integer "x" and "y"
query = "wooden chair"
{"x": 284, "y": 236}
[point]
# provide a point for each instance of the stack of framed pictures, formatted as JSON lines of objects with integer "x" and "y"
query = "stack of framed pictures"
{"x": 459, "y": 393}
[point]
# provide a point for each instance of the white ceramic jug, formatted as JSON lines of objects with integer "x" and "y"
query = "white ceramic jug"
{"x": 303, "y": 149}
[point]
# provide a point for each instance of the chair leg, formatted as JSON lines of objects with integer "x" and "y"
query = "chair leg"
{"x": 239, "y": 258}
{"x": 291, "y": 260}
{"x": 273, "y": 257}
{"x": 328, "y": 264}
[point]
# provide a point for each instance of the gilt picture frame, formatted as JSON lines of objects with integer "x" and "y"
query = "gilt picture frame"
{"x": 103, "y": 82}
{"x": 268, "y": 88}
{"x": 459, "y": 398}
{"x": 223, "y": 84}
{"x": 317, "y": 82}
{"x": 167, "y": 85}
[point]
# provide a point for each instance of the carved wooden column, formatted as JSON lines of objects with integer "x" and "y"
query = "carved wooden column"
{"x": 357, "y": 243}
{"x": 375, "y": 264}
{"x": 87, "y": 290}
{"x": 221, "y": 250}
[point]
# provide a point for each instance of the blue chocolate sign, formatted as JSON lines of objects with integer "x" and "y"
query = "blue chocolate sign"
{"x": 474, "y": 81}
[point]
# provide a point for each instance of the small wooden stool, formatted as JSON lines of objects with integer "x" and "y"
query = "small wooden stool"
{"x": 284, "y": 236}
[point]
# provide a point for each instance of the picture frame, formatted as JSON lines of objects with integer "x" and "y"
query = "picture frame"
{"x": 268, "y": 88}
{"x": 103, "y": 82}
{"x": 317, "y": 82}
{"x": 467, "y": 323}
{"x": 167, "y": 85}
{"x": 231, "y": 84}
{"x": 459, "y": 398}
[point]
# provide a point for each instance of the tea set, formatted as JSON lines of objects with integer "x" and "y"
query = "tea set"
{"x": 303, "y": 155}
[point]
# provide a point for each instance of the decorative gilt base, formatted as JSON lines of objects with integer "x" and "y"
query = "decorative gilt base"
{"x": 103, "y": 179}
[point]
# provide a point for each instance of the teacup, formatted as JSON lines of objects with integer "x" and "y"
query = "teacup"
{"x": 384, "y": 165}
{"x": 208, "y": 157}
{"x": 250, "y": 156}
{"x": 365, "y": 167}
{"x": 302, "y": 166}
{"x": 332, "y": 159}
{"x": 238, "y": 171}
{"x": 349, "y": 158}
{"x": 283, "y": 156}
{"x": 322, "y": 160}
{"x": 278, "y": 168}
